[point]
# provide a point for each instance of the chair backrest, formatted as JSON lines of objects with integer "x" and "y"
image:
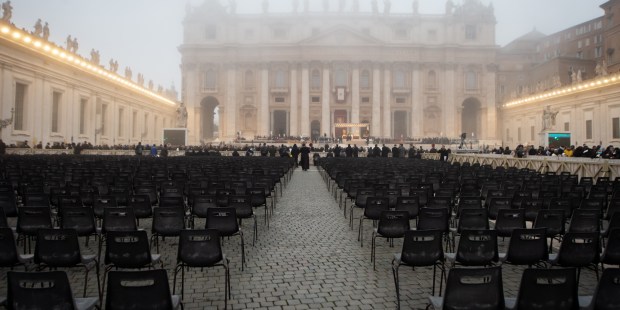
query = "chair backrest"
{"x": 118, "y": 219}
{"x": 563, "y": 203}
{"x": 531, "y": 207}
{"x": 393, "y": 224}
{"x": 548, "y": 289}
{"x": 474, "y": 288}
{"x": 508, "y": 220}
{"x": 611, "y": 254}
{"x": 434, "y": 219}
{"x": 606, "y": 295}
{"x": 3, "y": 220}
{"x": 527, "y": 246}
{"x": 374, "y": 206}
{"x": 585, "y": 220}
{"x": 477, "y": 248}
{"x": 473, "y": 219}
{"x": 39, "y": 291}
{"x": 579, "y": 249}
{"x": 199, "y": 248}
{"x": 57, "y": 248}
{"x": 496, "y": 204}
{"x": 30, "y": 219}
{"x": 8, "y": 249}
{"x": 168, "y": 221}
{"x": 422, "y": 247}
{"x": 553, "y": 220}
{"x": 171, "y": 201}
{"x": 409, "y": 204}
{"x": 127, "y": 249}
{"x": 242, "y": 204}
{"x": 202, "y": 204}
{"x": 81, "y": 219}
{"x": 147, "y": 289}
{"x": 222, "y": 219}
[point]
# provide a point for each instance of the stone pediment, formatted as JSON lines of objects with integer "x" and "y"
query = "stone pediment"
{"x": 340, "y": 35}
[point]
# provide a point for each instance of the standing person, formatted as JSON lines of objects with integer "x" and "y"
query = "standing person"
{"x": 305, "y": 157}
{"x": 153, "y": 150}
{"x": 139, "y": 149}
{"x": 295, "y": 154}
{"x": 349, "y": 151}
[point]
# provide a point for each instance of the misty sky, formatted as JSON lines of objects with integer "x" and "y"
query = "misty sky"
{"x": 145, "y": 34}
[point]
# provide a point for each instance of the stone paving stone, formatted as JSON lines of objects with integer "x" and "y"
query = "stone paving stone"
{"x": 309, "y": 258}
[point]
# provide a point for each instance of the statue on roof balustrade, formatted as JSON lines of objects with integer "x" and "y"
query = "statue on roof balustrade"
{"x": 69, "y": 43}
{"x": 387, "y": 5}
{"x": 265, "y": 6}
{"x": 7, "y": 11}
{"x": 233, "y": 6}
{"x": 140, "y": 79}
{"x": 295, "y": 6}
{"x": 375, "y": 6}
{"x": 415, "y": 5}
{"x": 46, "y": 31}
{"x": 151, "y": 84}
{"x": 94, "y": 56}
{"x": 38, "y": 28}
{"x": 128, "y": 73}
{"x": 75, "y": 45}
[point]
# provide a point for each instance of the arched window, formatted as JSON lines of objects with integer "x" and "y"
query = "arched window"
{"x": 316, "y": 79}
{"x": 365, "y": 79}
{"x": 249, "y": 79}
{"x": 399, "y": 79}
{"x": 432, "y": 80}
{"x": 280, "y": 79}
{"x": 340, "y": 78}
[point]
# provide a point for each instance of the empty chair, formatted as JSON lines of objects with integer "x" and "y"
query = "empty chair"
{"x": 141, "y": 205}
{"x": 472, "y": 219}
{"x": 44, "y": 290}
{"x": 225, "y": 221}
{"x": 578, "y": 250}
{"x": 476, "y": 248}
{"x": 531, "y": 207}
{"x": 546, "y": 289}
{"x": 60, "y": 248}
{"x": 201, "y": 249}
{"x": 421, "y": 248}
{"x": 409, "y": 204}
{"x": 526, "y": 247}
{"x": 472, "y": 289}
{"x": 509, "y": 220}
{"x": 392, "y": 224}
{"x": 553, "y": 221}
{"x": 128, "y": 250}
{"x": 9, "y": 255}
{"x": 81, "y": 219}
{"x": 611, "y": 253}
{"x": 140, "y": 290}
{"x": 584, "y": 220}
{"x": 30, "y": 220}
{"x": 606, "y": 295}
{"x": 435, "y": 219}
{"x": 496, "y": 204}
{"x": 200, "y": 206}
{"x": 372, "y": 211}
{"x": 167, "y": 222}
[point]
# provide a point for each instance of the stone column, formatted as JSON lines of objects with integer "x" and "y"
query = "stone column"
{"x": 305, "y": 100}
{"x": 417, "y": 101}
{"x": 375, "y": 129}
{"x": 325, "y": 102}
{"x": 294, "y": 115}
{"x": 263, "y": 114}
{"x": 231, "y": 104}
{"x": 355, "y": 98}
{"x": 387, "y": 103}
{"x": 449, "y": 108}
{"x": 491, "y": 121}
{"x": 192, "y": 101}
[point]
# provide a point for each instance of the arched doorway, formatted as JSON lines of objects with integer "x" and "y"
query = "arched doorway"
{"x": 400, "y": 125}
{"x": 209, "y": 108}
{"x": 470, "y": 118}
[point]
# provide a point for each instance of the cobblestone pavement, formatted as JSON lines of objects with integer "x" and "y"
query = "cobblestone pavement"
{"x": 309, "y": 258}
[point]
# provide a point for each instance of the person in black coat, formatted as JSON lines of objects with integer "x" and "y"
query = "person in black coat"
{"x": 356, "y": 150}
{"x": 304, "y": 151}
{"x": 349, "y": 151}
{"x": 395, "y": 151}
{"x": 385, "y": 151}
{"x": 337, "y": 150}
{"x": 295, "y": 154}
{"x": 376, "y": 151}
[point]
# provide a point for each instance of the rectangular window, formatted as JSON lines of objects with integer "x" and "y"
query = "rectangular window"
{"x": 316, "y": 99}
{"x": 532, "y": 133}
{"x": 365, "y": 99}
{"x": 19, "y": 117}
{"x": 615, "y": 124}
{"x": 279, "y": 33}
{"x": 470, "y": 32}
{"x": 471, "y": 80}
{"x": 400, "y": 33}
{"x": 211, "y": 32}
{"x": 121, "y": 122}
{"x": 56, "y": 96}
{"x": 401, "y": 100}
{"x": 579, "y": 54}
{"x": 145, "y": 132}
{"x": 589, "y": 129}
{"x": 566, "y": 126}
{"x": 83, "y": 107}
{"x": 507, "y": 134}
{"x": 579, "y": 44}
{"x": 432, "y": 35}
{"x": 104, "y": 118}
{"x": 280, "y": 99}
{"x": 519, "y": 134}
{"x": 598, "y": 52}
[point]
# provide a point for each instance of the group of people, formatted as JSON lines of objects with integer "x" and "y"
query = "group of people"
{"x": 153, "y": 151}
{"x": 582, "y": 151}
